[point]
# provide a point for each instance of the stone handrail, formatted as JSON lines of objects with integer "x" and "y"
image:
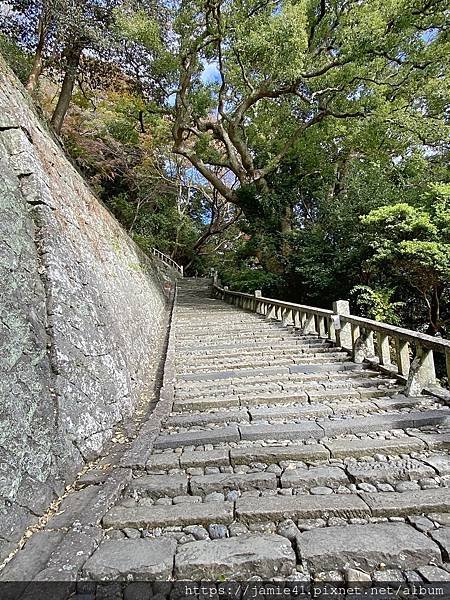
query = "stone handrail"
{"x": 168, "y": 261}
{"x": 386, "y": 345}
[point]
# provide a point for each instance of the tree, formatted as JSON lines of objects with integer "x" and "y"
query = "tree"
{"x": 414, "y": 242}
{"x": 58, "y": 32}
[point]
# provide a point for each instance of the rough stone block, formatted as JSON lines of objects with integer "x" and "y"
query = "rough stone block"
{"x": 129, "y": 560}
{"x": 440, "y": 463}
{"x": 223, "y": 482}
{"x": 390, "y": 472}
{"x": 198, "y": 438}
{"x": 238, "y": 558}
{"x": 163, "y": 462}
{"x": 356, "y": 448}
{"x": 442, "y": 538}
{"x": 396, "y": 545}
{"x": 156, "y": 486}
{"x": 209, "y": 458}
{"x": 283, "y": 431}
{"x": 304, "y": 506}
{"x": 275, "y": 454}
{"x": 315, "y": 476}
{"x": 411, "y": 503}
{"x": 169, "y": 516}
{"x": 33, "y": 557}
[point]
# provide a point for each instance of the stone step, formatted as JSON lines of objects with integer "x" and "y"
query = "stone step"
{"x": 413, "y": 502}
{"x": 205, "y": 418}
{"x": 210, "y": 354}
{"x": 302, "y": 506}
{"x": 310, "y": 365}
{"x": 267, "y": 353}
{"x": 243, "y": 557}
{"x": 237, "y": 344}
{"x": 390, "y": 471}
{"x": 305, "y": 479}
{"x": 201, "y": 485}
{"x": 318, "y": 379}
{"x": 344, "y": 448}
{"x": 126, "y": 560}
{"x": 158, "y": 486}
{"x": 271, "y": 454}
{"x": 175, "y": 515}
{"x": 197, "y": 438}
{"x": 302, "y": 431}
{"x": 296, "y": 412}
{"x": 273, "y": 394}
{"x": 275, "y": 454}
{"x": 366, "y": 547}
{"x": 233, "y": 349}
{"x": 253, "y": 363}
{"x": 290, "y": 385}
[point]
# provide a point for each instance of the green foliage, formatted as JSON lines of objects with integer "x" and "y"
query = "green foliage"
{"x": 17, "y": 59}
{"x": 377, "y": 304}
{"x": 248, "y": 280}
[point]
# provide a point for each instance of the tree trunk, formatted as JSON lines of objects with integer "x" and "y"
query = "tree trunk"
{"x": 38, "y": 60}
{"x": 434, "y": 326}
{"x": 38, "y": 64}
{"x": 285, "y": 229}
{"x": 73, "y": 55}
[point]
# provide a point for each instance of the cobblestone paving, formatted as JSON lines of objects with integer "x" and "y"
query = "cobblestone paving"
{"x": 278, "y": 458}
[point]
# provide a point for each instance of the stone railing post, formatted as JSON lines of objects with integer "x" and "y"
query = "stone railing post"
{"x": 258, "y": 294}
{"x": 343, "y": 330}
{"x": 421, "y": 372}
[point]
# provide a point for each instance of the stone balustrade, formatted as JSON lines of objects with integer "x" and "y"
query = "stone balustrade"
{"x": 408, "y": 353}
{"x": 168, "y": 261}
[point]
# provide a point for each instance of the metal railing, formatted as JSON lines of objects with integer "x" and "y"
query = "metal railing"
{"x": 408, "y": 353}
{"x": 169, "y": 262}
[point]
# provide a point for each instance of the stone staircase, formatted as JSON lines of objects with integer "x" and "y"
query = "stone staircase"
{"x": 281, "y": 458}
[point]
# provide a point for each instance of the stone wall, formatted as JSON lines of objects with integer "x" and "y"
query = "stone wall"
{"x": 81, "y": 314}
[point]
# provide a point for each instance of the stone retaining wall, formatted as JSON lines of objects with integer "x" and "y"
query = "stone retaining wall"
{"x": 81, "y": 311}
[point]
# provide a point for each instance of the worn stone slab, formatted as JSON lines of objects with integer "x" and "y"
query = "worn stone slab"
{"x": 189, "y": 404}
{"x": 237, "y": 557}
{"x": 88, "y": 505}
{"x": 69, "y": 556}
{"x": 303, "y": 506}
{"x": 131, "y": 560}
{"x": 396, "y": 545}
{"x": 196, "y": 419}
{"x": 290, "y": 412}
{"x": 384, "y": 422}
{"x": 442, "y": 538}
{"x": 205, "y": 458}
{"x": 325, "y": 367}
{"x": 272, "y": 398}
{"x": 440, "y": 463}
{"x": 390, "y": 472}
{"x": 340, "y": 393}
{"x": 284, "y": 431}
{"x": 156, "y": 486}
{"x": 275, "y": 454}
{"x": 304, "y": 479}
{"x": 33, "y": 557}
{"x": 214, "y": 375}
{"x": 435, "y": 440}
{"x": 198, "y": 438}
{"x": 163, "y": 462}
{"x": 120, "y": 517}
{"x": 222, "y": 482}
{"x": 412, "y": 502}
{"x": 355, "y": 448}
